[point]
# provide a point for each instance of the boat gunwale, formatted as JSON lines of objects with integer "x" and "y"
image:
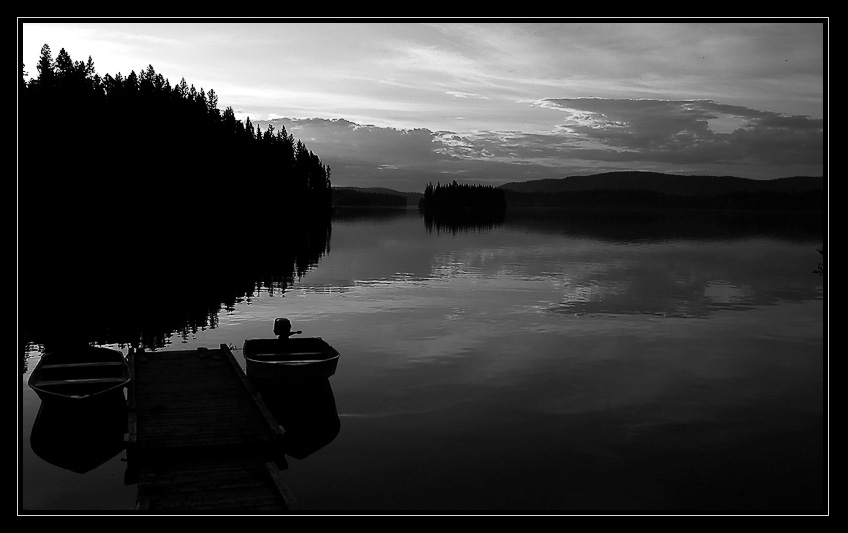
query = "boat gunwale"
{"x": 274, "y": 356}
{"x": 292, "y": 362}
{"x": 47, "y": 388}
{"x": 77, "y": 397}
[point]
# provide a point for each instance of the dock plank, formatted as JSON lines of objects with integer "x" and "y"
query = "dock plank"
{"x": 200, "y": 437}
{"x": 204, "y": 486}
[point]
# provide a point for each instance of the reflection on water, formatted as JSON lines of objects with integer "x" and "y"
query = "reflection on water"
{"x": 80, "y": 438}
{"x": 553, "y": 364}
{"x": 651, "y": 225}
{"x": 85, "y": 290}
{"x": 306, "y": 408}
{"x": 454, "y": 222}
{"x": 686, "y": 279}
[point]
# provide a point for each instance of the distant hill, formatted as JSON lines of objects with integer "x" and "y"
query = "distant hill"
{"x": 670, "y": 184}
{"x": 631, "y": 189}
{"x": 373, "y": 196}
{"x": 654, "y": 190}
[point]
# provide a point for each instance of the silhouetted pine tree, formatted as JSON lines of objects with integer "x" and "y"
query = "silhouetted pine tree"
{"x": 462, "y": 207}
{"x": 129, "y": 166}
{"x": 455, "y": 196}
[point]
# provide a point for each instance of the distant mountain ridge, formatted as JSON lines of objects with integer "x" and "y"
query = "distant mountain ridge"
{"x": 671, "y": 184}
{"x": 341, "y": 194}
{"x": 648, "y": 189}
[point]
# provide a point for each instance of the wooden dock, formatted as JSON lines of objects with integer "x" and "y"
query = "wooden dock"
{"x": 200, "y": 438}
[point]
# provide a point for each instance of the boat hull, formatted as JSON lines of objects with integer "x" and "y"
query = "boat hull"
{"x": 273, "y": 359}
{"x": 80, "y": 436}
{"x": 80, "y": 374}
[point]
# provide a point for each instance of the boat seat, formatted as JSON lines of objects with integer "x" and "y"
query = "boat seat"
{"x": 289, "y": 354}
{"x": 81, "y": 365}
{"x": 79, "y": 381}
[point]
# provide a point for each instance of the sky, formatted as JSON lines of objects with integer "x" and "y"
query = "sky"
{"x": 403, "y": 103}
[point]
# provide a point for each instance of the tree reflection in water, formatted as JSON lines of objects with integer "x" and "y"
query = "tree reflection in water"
{"x": 306, "y": 408}
{"x": 140, "y": 285}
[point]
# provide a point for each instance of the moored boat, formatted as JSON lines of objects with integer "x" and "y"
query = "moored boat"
{"x": 285, "y": 357}
{"x": 281, "y": 358}
{"x": 80, "y": 373}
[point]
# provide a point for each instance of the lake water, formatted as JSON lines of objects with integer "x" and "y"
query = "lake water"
{"x": 539, "y": 367}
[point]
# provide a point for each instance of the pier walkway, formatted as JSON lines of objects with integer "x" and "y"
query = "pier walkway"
{"x": 200, "y": 438}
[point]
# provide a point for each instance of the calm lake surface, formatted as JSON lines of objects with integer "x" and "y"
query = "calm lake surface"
{"x": 538, "y": 367}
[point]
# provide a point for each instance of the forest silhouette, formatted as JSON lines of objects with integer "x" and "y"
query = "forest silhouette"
{"x": 133, "y": 192}
{"x": 457, "y": 207}
{"x": 352, "y": 197}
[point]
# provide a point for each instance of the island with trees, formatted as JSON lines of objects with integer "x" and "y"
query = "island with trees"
{"x": 462, "y": 207}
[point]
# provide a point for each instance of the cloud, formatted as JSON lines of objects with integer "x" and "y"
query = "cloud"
{"x": 460, "y": 94}
{"x": 343, "y": 139}
{"x": 371, "y": 156}
{"x": 684, "y": 131}
{"x": 593, "y": 135}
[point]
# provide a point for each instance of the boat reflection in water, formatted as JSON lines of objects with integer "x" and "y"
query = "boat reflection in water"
{"x": 292, "y": 376}
{"x": 80, "y": 437}
{"x": 306, "y": 408}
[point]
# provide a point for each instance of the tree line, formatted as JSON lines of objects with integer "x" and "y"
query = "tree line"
{"x": 133, "y": 192}
{"x": 763, "y": 200}
{"x": 349, "y": 197}
{"x": 457, "y": 207}
{"x": 137, "y": 142}
{"x": 459, "y": 196}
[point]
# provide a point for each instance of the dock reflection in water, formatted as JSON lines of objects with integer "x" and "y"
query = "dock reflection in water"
{"x": 306, "y": 408}
{"x": 80, "y": 438}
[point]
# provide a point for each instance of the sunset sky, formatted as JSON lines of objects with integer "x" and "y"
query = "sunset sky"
{"x": 402, "y": 103}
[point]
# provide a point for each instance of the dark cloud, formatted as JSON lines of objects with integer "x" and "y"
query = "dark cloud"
{"x": 372, "y": 156}
{"x": 593, "y": 135}
{"x": 682, "y": 131}
{"x": 356, "y": 142}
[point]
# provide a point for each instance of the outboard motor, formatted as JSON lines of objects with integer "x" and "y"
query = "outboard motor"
{"x": 282, "y": 328}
